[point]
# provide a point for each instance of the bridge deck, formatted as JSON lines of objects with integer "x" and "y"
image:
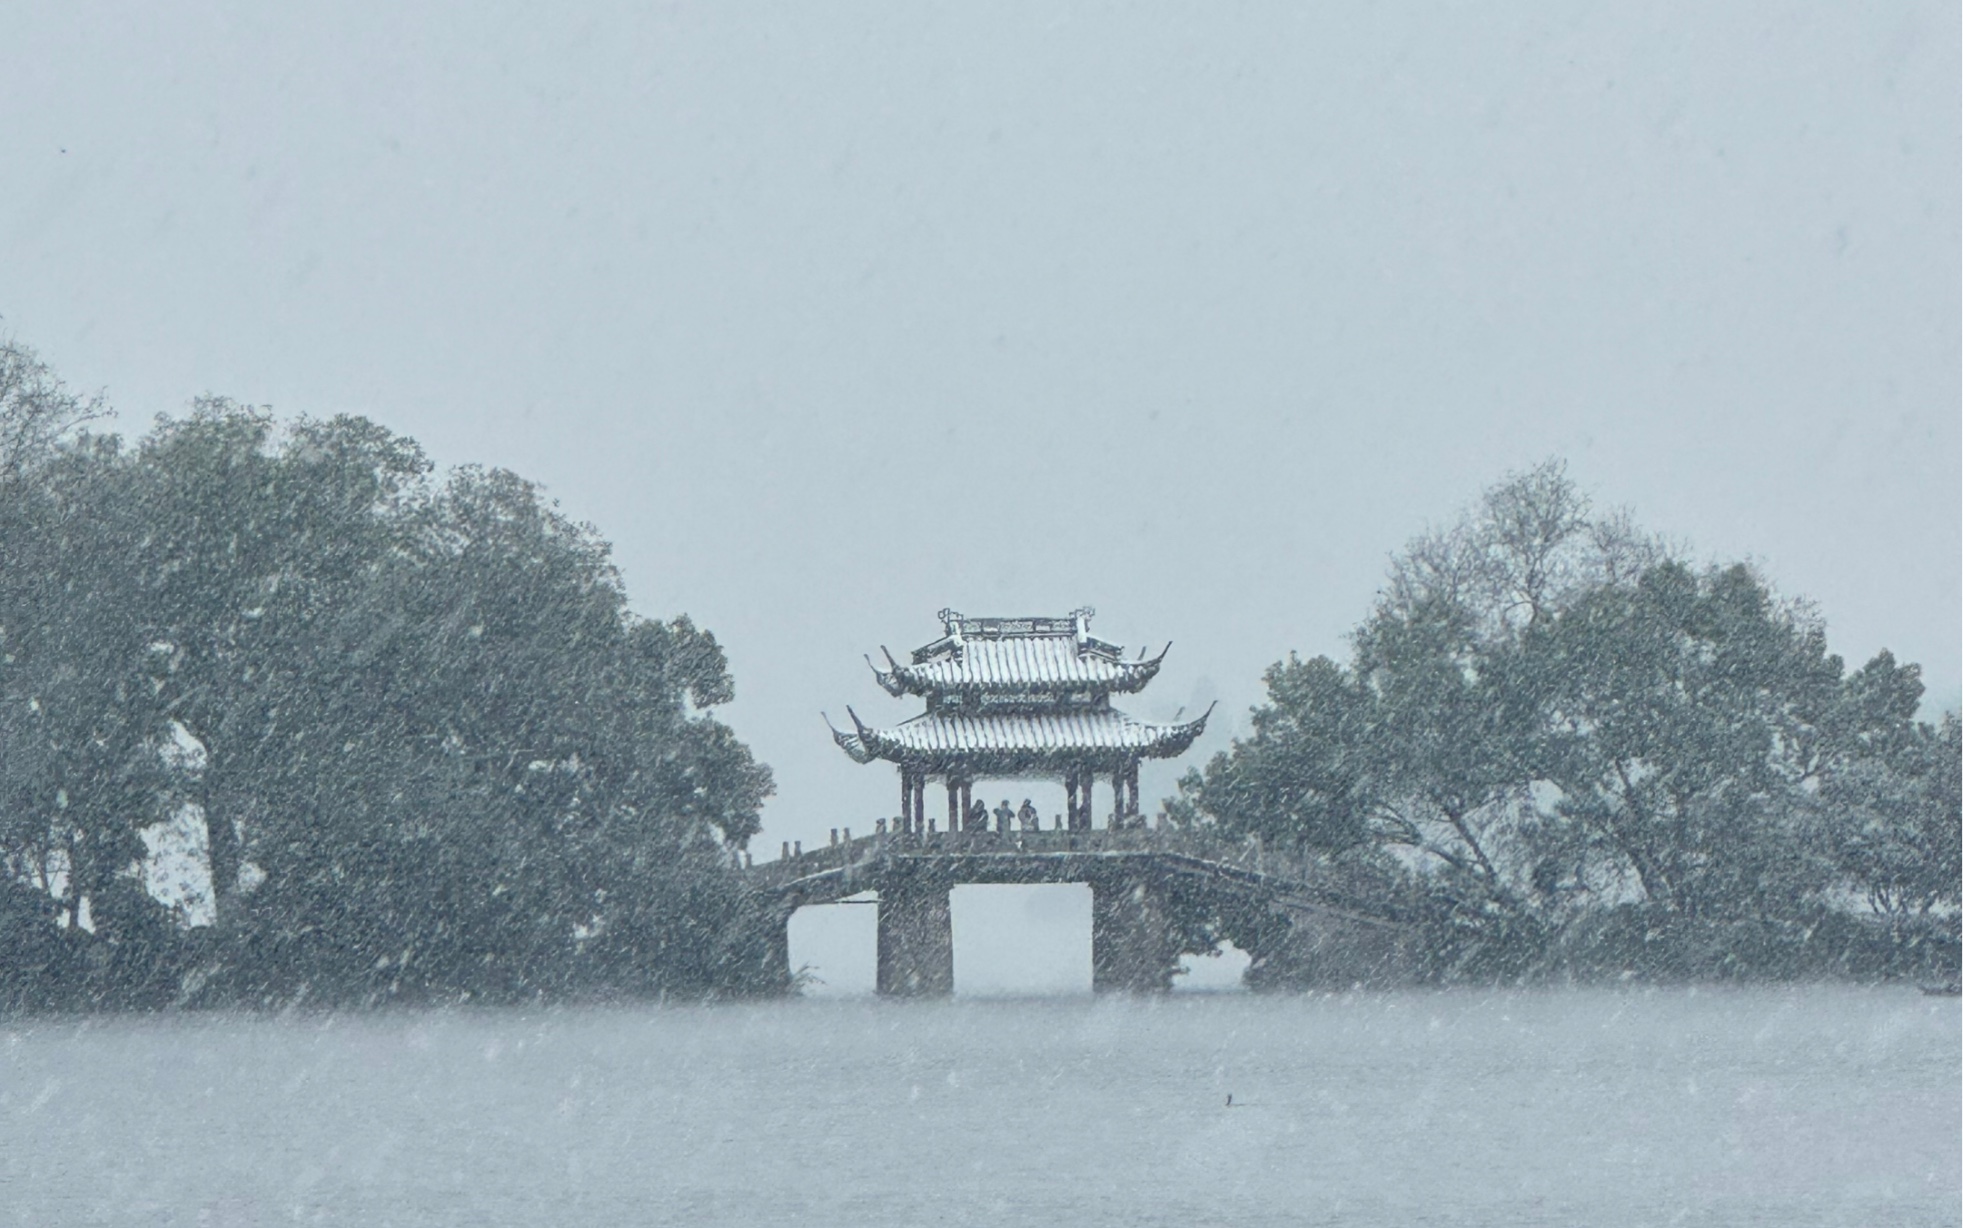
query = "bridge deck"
{"x": 1241, "y": 866}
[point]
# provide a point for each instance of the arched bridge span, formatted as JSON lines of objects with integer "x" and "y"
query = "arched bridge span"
{"x": 1155, "y": 895}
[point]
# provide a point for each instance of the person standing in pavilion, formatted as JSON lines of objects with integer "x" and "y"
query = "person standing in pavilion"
{"x": 1027, "y": 816}
{"x": 977, "y": 816}
{"x": 1004, "y": 815}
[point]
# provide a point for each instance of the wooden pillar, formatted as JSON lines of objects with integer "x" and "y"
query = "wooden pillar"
{"x": 1070, "y": 798}
{"x": 1087, "y": 792}
{"x": 920, "y": 799}
{"x": 954, "y": 810}
{"x": 906, "y": 799}
{"x": 1131, "y": 788}
{"x": 967, "y": 797}
{"x": 1118, "y": 818}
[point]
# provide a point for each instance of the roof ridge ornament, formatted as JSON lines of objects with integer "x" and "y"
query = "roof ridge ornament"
{"x": 889, "y": 679}
{"x": 851, "y": 743}
{"x": 952, "y": 623}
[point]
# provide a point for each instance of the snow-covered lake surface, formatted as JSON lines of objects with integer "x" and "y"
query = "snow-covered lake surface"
{"x": 1717, "y": 1106}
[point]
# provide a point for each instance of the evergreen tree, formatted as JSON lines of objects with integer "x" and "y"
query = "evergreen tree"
{"x": 433, "y": 753}
{"x": 1577, "y": 742}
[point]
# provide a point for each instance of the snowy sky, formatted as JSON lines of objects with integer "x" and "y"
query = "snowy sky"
{"x": 830, "y": 316}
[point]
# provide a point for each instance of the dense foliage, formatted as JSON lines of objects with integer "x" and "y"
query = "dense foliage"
{"x": 1558, "y": 748}
{"x": 417, "y": 740}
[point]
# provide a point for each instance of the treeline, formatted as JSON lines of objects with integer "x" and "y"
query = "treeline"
{"x": 405, "y": 742}
{"x": 407, "y": 726}
{"x": 1558, "y": 748}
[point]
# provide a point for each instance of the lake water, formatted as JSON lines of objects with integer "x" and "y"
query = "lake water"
{"x": 1789, "y": 1107}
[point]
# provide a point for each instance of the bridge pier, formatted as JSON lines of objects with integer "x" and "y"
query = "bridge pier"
{"x": 916, "y": 941}
{"x": 1131, "y": 951}
{"x": 776, "y": 955}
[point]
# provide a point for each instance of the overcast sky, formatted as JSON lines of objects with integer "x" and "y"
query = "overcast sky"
{"x": 830, "y": 316}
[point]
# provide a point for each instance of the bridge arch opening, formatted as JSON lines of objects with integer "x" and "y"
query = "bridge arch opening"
{"x": 834, "y": 948}
{"x": 1021, "y": 939}
{"x": 1224, "y": 971}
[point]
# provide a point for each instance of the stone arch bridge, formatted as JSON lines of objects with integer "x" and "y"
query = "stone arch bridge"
{"x": 1156, "y": 894}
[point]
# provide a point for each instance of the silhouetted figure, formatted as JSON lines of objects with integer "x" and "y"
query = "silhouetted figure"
{"x": 977, "y": 816}
{"x": 1004, "y": 815}
{"x": 1027, "y": 816}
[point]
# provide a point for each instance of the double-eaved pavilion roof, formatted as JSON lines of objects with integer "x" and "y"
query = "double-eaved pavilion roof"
{"x": 1009, "y": 695}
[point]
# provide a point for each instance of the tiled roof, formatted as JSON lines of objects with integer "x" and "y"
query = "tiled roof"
{"x": 1011, "y": 655}
{"x": 1016, "y": 740}
{"x": 1019, "y": 663}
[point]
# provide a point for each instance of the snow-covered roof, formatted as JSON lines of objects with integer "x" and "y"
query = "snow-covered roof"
{"x": 1031, "y": 654}
{"x": 1017, "y": 741}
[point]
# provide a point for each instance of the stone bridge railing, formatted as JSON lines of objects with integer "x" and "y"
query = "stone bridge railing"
{"x": 1247, "y": 853}
{"x": 1283, "y": 874}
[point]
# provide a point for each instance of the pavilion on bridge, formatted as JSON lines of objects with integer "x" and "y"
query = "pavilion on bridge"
{"x": 1017, "y": 698}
